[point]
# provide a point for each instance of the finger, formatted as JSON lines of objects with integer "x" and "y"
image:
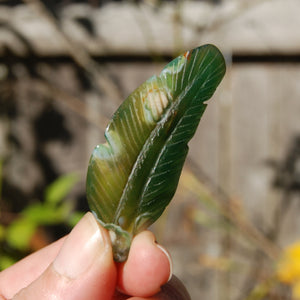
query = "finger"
{"x": 21, "y": 274}
{"x": 83, "y": 268}
{"x": 148, "y": 267}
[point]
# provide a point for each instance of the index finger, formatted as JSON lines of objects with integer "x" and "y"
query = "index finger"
{"x": 147, "y": 268}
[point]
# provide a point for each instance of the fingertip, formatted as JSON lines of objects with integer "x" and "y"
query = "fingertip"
{"x": 166, "y": 252}
{"x": 82, "y": 269}
{"x": 148, "y": 267}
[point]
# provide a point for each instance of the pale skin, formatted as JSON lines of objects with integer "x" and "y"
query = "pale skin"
{"x": 80, "y": 266}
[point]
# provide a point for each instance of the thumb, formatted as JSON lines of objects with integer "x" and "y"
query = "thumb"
{"x": 83, "y": 268}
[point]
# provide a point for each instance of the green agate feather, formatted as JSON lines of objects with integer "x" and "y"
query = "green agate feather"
{"x": 134, "y": 175}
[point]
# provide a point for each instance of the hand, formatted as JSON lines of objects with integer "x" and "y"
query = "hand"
{"x": 81, "y": 266}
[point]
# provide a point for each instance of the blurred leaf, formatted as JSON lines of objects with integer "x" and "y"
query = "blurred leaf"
{"x": 262, "y": 290}
{"x": 1, "y": 166}
{"x": 6, "y": 261}
{"x": 43, "y": 214}
{"x": 74, "y": 218}
{"x": 60, "y": 188}
{"x": 2, "y": 232}
{"x": 20, "y": 232}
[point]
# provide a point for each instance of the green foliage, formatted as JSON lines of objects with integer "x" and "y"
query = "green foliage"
{"x": 74, "y": 218}
{"x": 59, "y": 189}
{"x": 6, "y": 261}
{"x": 55, "y": 209}
{"x": 19, "y": 233}
{"x": 133, "y": 177}
{"x": 1, "y": 163}
{"x": 2, "y": 233}
{"x": 45, "y": 214}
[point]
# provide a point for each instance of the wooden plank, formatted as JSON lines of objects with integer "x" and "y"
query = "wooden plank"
{"x": 124, "y": 28}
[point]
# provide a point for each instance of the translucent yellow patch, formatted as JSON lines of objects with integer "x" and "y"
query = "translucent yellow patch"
{"x": 288, "y": 270}
{"x": 289, "y": 267}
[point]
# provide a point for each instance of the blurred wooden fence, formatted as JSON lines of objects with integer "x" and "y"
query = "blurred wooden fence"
{"x": 248, "y": 141}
